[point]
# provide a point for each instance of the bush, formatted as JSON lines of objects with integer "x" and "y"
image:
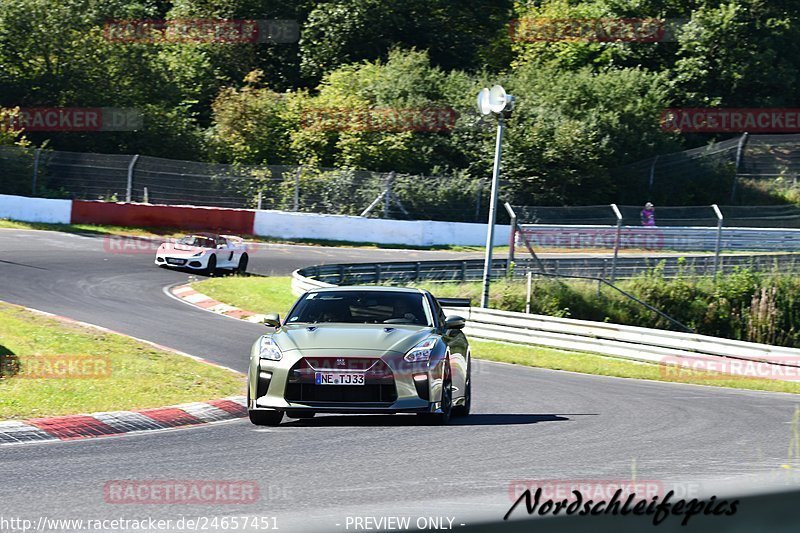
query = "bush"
{"x": 743, "y": 305}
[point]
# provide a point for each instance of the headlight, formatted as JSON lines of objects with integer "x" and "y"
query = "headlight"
{"x": 267, "y": 349}
{"x": 198, "y": 254}
{"x": 422, "y": 351}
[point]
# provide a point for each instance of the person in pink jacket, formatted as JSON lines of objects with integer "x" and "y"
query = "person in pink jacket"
{"x": 648, "y": 215}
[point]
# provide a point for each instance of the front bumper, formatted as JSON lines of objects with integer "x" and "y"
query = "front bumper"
{"x": 392, "y": 385}
{"x": 196, "y": 263}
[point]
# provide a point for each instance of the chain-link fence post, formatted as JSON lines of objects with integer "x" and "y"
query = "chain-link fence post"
{"x": 387, "y": 197}
{"x": 297, "y": 188}
{"x": 718, "y": 245}
{"x": 512, "y": 239}
{"x": 129, "y": 187}
{"x": 652, "y": 175}
{"x": 478, "y": 200}
{"x": 36, "y": 154}
{"x": 616, "y": 242}
{"x": 528, "y": 294}
{"x": 739, "y": 155}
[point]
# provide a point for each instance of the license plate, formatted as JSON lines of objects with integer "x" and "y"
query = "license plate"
{"x": 173, "y": 261}
{"x": 338, "y": 378}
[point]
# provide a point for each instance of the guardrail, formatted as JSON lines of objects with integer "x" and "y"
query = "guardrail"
{"x": 629, "y": 342}
{"x": 597, "y": 267}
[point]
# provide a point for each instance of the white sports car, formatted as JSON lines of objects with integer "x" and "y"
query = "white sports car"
{"x": 203, "y": 251}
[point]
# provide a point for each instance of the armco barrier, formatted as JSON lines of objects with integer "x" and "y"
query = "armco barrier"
{"x": 168, "y": 216}
{"x": 629, "y": 342}
{"x": 27, "y": 209}
{"x": 464, "y": 270}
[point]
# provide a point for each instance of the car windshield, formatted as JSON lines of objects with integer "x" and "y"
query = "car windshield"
{"x": 199, "y": 241}
{"x": 362, "y": 307}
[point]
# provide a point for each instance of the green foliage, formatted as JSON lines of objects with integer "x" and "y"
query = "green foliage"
{"x": 570, "y": 126}
{"x": 460, "y": 34}
{"x": 743, "y": 305}
{"x": 584, "y": 108}
{"x": 740, "y": 54}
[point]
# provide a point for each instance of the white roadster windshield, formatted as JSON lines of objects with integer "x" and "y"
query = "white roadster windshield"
{"x": 362, "y": 307}
{"x": 199, "y": 241}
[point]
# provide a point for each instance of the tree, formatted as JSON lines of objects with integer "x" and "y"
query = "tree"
{"x": 740, "y": 54}
{"x": 458, "y": 34}
{"x": 570, "y": 128}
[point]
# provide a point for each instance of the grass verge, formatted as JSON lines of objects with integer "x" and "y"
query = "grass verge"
{"x": 275, "y": 295}
{"x": 50, "y": 368}
{"x": 256, "y": 294}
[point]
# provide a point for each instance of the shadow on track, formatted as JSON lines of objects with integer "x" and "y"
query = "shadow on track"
{"x": 9, "y": 363}
{"x": 489, "y": 419}
{"x": 22, "y": 264}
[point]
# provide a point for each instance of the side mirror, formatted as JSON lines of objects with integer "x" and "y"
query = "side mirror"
{"x": 272, "y": 320}
{"x": 454, "y": 322}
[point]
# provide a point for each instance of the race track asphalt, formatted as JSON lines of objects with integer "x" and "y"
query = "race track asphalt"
{"x": 528, "y": 424}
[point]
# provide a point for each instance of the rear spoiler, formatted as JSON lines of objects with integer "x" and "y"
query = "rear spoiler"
{"x": 455, "y": 302}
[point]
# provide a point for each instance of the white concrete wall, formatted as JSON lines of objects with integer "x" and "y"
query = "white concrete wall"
{"x": 35, "y": 209}
{"x": 288, "y": 225}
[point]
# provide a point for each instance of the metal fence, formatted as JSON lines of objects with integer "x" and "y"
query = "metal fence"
{"x": 155, "y": 180}
{"x": 762, "y": 158}
{"x": 696, "y": 228}
{"x": 471, "y": 270}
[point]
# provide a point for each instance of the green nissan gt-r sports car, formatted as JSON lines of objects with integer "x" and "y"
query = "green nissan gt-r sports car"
{"x": 361, "y": 350}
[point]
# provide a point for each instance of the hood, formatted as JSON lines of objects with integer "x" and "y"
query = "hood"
{"x": 181, "y": 249}
{"x": 342, "y": 337}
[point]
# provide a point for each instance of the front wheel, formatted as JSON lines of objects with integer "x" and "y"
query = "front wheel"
{"x": 211, "y": 268}
{"x": 442, "y": 418}
{"x": 463, "y": 410}
{"x": 265, "y": 418}
{"x": 242, "y": 268}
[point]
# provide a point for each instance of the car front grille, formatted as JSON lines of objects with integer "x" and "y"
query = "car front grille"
{"x": 379, "y": 388}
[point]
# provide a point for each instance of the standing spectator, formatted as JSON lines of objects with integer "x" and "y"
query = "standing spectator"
{"x": 648, "y": 215}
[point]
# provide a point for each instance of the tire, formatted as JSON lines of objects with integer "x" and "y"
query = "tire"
{"x": 263, "y": 418}
{"x": 443, "y": 418}
{"x": 300, "y": 414}
{"x": 242, "y": 267}
{"x": 211, "y": 267}
{"x": 463, "y": 410}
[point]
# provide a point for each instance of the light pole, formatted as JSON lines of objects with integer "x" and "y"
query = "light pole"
{"x": 498, "y": 102}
